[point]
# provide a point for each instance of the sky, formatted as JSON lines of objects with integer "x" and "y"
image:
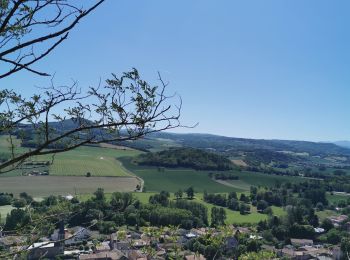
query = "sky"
{"x": 256, "y": 69}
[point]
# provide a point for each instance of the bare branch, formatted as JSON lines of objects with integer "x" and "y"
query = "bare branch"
{"x": 27, "y": 26}
{"x": 126, "y": 108}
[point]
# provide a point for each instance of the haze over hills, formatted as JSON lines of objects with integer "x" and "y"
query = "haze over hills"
{"x": 345, "y": 144}
{"x": 223, "y": 143}
{"x": 253, "y": 152}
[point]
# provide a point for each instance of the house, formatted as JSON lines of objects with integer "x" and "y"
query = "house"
{"x": 190, "y": 235}
{"x": 195, "y": 257}
{"x": 199, "y": 231}
{"x": 338, "y": 220}
{"x": 139, "y": 243}
{"x": 103, "y": 247}
{"x": 134, "y": 235}
{"x": 10, "y": 241}
{"x": 255, "y": 237}
{"x": 336, "y": 253}
{"x": 316, "y": 251}
{"x": 44, "y": 249}
{"x": 319, "y": 230}
{"x": 110, "y": 255}
{"x": 136, "y": 255}
{"x": 301, "y": 242}
{"x": 347, "y": 226}
{"x": 231, "y": 243}
{"x": 121, "y": 245}
{"x": 60, "y": 234}
{"x": 291, "y": 253}
{"x": 76, "y": 235}
{"x": 243, "y": 230}
{"x": 69, "y": 197}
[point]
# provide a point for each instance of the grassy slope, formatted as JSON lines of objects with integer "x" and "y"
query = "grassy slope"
{"x": 96, "y": 160}
{"x": 261, "y": 179}
{"x": 174, "y": 179}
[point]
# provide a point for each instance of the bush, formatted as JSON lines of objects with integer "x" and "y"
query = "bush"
{"x": 319, "y": 206}
{"x": 5, "y": 199}
{"x": 19, "y": 203}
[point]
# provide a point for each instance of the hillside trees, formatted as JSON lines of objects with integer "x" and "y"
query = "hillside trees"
{"x": 189, "y": 158}
{"x": 123, "y": 108}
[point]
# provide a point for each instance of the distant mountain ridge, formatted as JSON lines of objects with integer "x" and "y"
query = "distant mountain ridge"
{"x": 344, "y": 143}
{"x": 223, "y": 143}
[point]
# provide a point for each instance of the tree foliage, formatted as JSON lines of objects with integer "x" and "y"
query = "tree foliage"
{"x": 126, "y": 108}
{"x": 187, "y": 158}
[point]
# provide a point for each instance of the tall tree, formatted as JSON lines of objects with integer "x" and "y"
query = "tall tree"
{"x": 190, "y": 193}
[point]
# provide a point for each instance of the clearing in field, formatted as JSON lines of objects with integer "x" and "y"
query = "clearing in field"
{"x": 43, "y": 186}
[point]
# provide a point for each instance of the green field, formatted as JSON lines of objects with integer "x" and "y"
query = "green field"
{"x": 336, "y": 197}
{"x": 174, "y": 179}
{"x": 4, "y": 210}
{"x": 43, "y": 186}
{"x": 325, "y": 214}
{"x": 96, "y": 160}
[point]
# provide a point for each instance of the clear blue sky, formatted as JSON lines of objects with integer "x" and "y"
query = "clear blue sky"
{"x": 260, "y": 69}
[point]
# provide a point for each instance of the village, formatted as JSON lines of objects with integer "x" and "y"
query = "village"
{"x": 156, "y": 243}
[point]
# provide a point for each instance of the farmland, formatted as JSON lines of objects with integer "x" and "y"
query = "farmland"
{"x": 41, "y": 186}
{"x": 174, "y": 179}
{"x": 112, "y": 169}
{"x": 98, "y": 161}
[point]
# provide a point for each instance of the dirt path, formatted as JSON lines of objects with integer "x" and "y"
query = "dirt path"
{"x": 141, "y": 181}
{"x": 238, "y": 187}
